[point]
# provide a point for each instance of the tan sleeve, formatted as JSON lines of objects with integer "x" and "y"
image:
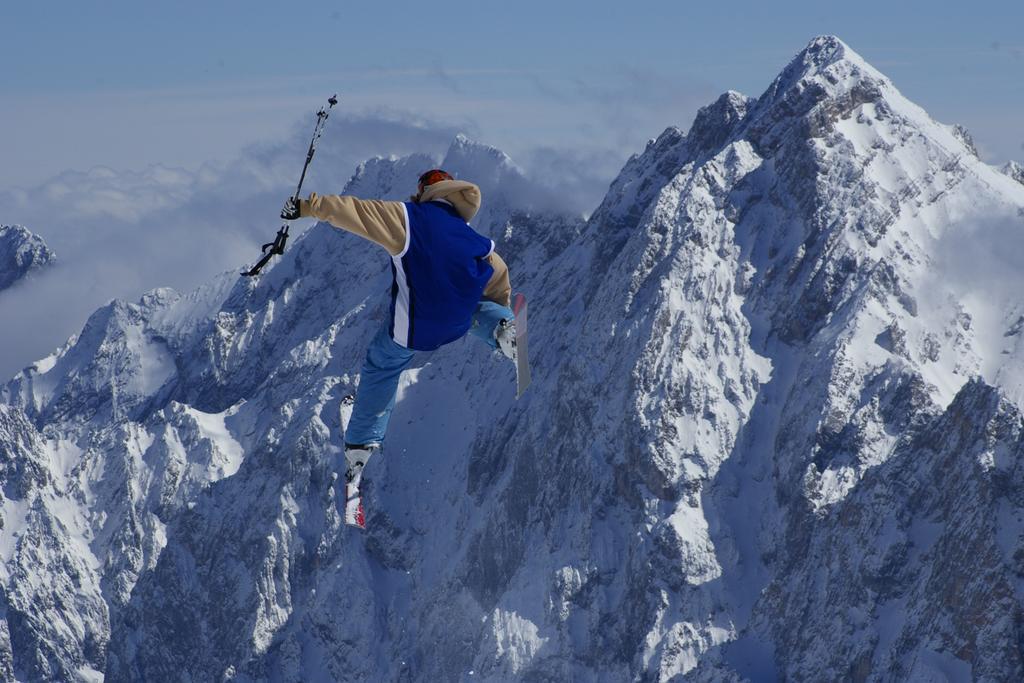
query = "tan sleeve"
{"x": 378, "y": 221}
{"x": 498, "y": 289}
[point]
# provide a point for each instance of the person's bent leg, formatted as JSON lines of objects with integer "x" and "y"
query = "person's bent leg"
{"x": 375, "y": 399}
{"x": 486, "y": 319}
{"x": 378, "y": 385}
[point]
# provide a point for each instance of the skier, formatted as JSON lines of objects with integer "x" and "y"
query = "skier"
{"x": 447, "y": 280}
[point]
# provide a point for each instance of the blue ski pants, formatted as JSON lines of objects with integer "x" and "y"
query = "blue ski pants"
{"x": 385, "y": 360}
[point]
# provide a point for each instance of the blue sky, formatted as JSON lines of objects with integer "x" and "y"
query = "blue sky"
{"x": 130, "y": 84}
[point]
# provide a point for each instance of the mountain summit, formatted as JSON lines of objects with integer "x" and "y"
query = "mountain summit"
{"x": 21, "y": 253}
{"x": 1014, "y": 170}
{"x": 774, "y": 433}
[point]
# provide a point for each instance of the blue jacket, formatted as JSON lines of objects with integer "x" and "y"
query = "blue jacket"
{"x": 439, "y": 277}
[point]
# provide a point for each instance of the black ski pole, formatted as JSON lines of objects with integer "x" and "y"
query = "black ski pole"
{"x": 277, "y": 246}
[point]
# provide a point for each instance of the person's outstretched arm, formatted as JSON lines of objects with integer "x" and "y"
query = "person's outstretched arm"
{"x": 378, "y": 221}
{"x": 498, "y": 289}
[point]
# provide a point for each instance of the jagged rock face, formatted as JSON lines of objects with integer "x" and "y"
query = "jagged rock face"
{"x": 21, "y": 253}
{"x": 923, "y": 559}
{"x": 756, "y": 445}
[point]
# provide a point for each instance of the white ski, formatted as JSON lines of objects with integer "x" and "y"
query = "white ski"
{"x": 347, "y": 497}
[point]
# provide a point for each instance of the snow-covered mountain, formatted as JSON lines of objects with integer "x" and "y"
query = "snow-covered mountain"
{"x": 21, "y": 252}
{"x": 774, "y": 433}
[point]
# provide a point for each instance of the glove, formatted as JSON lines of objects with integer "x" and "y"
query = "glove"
{"x": 290, "y": 211}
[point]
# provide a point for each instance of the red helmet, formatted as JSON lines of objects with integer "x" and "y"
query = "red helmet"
{"x": 434, "y": 175}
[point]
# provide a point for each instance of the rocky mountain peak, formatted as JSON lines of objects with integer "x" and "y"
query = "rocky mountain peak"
{"x": 1013, "y": 170}
{"x": 21, "y": 252}
{"x": 826, "y": 59}
{"x": 390, "y": 178}
{"x": 717, "y": 122}
{"x": 479, "y": 163}
{"x": 825, "y": 50}
{"x": 820, "y": 85}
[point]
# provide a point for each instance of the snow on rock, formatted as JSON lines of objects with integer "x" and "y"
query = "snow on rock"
{"x": 773, "y": 432}
{"x": 1014, "y": 170}
{"x": 393, "y": 177}
{"x": 21, "y": 253}
{"x": 920, "y": 558}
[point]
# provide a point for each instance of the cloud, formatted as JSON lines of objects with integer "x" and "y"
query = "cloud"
{"x": 579, "y": 176}
{"x": 446, "y": 79}
{"x": 1014, "y": 51}
{"x": 121, "y": 233}
{"x": 118, "y": 234}
{"x": 625, "y": 105}
{"x": 983, "y": 254}
{"x": 978, "y": 261}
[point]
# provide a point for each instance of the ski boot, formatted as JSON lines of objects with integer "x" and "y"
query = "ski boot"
{"x": 356, "y": 458}
{"x": 505, "y": 335}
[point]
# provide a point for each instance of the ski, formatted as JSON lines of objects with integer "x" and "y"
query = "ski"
{"x": 521, "y": 354}
{"x": 354, "y": 514}
{"x": 350, "y": 504}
